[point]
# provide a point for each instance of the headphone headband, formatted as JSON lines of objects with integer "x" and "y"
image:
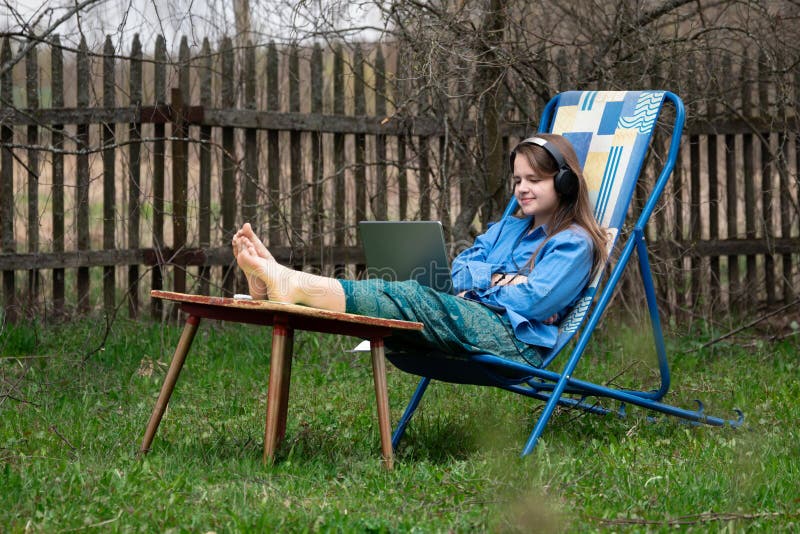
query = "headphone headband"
{"x": 549, "y": 147}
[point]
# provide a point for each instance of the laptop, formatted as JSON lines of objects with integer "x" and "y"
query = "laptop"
{"x": 407, "y": 250}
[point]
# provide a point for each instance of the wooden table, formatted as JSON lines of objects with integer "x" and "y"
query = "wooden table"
{"x": 284, "y": 319}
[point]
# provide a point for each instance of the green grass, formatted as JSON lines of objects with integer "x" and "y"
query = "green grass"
{"x": 71, "y": 425}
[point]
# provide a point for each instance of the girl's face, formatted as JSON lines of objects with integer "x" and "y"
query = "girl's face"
{"x": 535, "y": 193}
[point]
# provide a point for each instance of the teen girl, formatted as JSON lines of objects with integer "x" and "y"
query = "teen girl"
{"x": 514, "y": 283}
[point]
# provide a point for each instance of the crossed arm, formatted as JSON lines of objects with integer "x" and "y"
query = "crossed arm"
{"x": 503, "y": 279}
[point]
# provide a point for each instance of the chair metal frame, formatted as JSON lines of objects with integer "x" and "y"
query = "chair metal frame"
{"x": 550, "y": 386}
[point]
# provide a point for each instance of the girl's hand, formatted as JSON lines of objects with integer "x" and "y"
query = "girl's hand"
{"x": 462, "y": 293}
{"x": 499, "y": 279}
{"x": 552, "y": 319}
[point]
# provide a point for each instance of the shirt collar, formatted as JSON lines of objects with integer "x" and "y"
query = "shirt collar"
{"x": 539, "y": 231}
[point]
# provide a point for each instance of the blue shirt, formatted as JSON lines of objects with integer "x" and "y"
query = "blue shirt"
{"x": 561, "y": 271}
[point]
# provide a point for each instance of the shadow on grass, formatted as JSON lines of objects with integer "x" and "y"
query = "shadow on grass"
{"x": 437, "y": 443}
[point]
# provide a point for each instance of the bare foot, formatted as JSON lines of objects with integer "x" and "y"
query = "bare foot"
{"x": 265, "y": 277}
{"x": 246, "y": 231}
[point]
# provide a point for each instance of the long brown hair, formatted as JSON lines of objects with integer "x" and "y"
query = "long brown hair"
{"x": 569, "y": 211}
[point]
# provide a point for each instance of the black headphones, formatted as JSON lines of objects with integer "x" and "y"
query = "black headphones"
{"x": 565, "y": 181}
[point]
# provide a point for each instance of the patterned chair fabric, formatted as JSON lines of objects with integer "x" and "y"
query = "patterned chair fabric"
{"x": 611, "y": 132}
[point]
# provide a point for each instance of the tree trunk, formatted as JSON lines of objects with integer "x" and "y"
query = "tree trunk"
{"x": 488, "y": 84}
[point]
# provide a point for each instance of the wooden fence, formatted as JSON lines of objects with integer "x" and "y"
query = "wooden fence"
{"x": 141, "y": 180}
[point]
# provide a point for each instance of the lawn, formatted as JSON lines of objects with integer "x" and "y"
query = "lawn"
{"x": 74, "y": 404}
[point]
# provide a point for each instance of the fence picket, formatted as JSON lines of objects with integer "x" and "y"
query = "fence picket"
{"x": 424, "y": 178}
{"x": 402, "y": 144}
{"x": 295, "y": 157}
{"x": 317, "y": 162}
{"x": 179, "y": 171}
{"x": 273, "y": 149}
{"x": 790, "y": 261}
{"x": 228, "y": 159}
{"x": 109, "y": 176}
{"x": 380, "y": 205}
{"x": 159, "y": 150}
{"x": 204, "y": 227}
{"x": 250, "y": 178}
{"x": 82, "y": 175}
{"x": 32, "y": 91}
{"x": 7, "y": 179}
{"x": 134, "y": 173}
{"x": 713, "y": 204}
{"x": 731, "y": 205}
{"x": 57, "y": 139}
{"x": 695, "y": 261}
{"x": 250, "y": 199}
{"x": 766, "y": 177}
{"x": 339, "y": 221}
{"x": 751, "y": 290}
{"x": 360, "y": 170}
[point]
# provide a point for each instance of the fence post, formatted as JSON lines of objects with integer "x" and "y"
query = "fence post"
{"x": 109, "y": 175}
{"x": 57, "y": 73}
{"x": 380, "y": 205}
{"x": 317, "y": 163}
{"x": 7, "y": 187}
{"x": 766, "y": 110}
{"x": 159, "y": 149}
{"x": 82, "y": 190}
{"x": 205, "y": 166}
{"x": 134, "y": 187}
{"x": 228, "y": 160}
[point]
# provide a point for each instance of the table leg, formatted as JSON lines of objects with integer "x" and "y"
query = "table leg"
{"x": 175, "y": 367}
{"x": 278, "y": 393}
{"x": 382, "y": 398}
{"x": 285, "y": 381}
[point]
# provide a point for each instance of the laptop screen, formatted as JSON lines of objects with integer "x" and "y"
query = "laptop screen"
{"x": 407, "y": 250}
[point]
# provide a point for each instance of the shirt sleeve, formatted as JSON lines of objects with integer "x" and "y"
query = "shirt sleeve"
{"x": 471, "y": 270}
{"x": 561, "y": 271}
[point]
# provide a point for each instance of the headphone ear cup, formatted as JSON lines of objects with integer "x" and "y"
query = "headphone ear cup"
{"x": 566, "y": 183}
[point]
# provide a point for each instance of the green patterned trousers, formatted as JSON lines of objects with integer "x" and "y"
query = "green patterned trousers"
{"x": 453, "y": 325}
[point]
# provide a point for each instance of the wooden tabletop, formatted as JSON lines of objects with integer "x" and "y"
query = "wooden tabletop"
{"x": 289, "y": 309}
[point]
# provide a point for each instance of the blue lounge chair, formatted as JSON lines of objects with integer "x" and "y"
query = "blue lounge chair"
{"x": 611, "y": 132}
